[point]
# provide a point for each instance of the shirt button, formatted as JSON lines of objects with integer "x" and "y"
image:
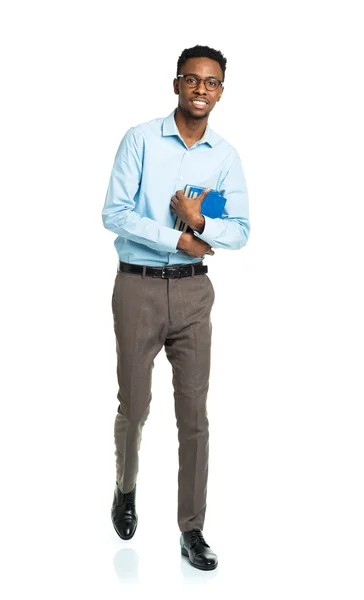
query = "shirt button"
{"x": 180, "y": 177}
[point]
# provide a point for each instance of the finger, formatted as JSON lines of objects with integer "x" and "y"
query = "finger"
{"x": 204, "y": 193}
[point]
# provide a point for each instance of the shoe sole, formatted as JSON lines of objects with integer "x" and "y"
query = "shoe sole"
{"x": 210, "y": 568}
{"x": 129, "y": 536}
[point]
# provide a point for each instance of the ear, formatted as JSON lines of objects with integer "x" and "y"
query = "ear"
{"x": 175, "y": 86}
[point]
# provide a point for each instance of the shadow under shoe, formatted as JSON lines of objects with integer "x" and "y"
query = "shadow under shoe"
{"x": 197, "y": 550}
{"x": 123, "y": 513}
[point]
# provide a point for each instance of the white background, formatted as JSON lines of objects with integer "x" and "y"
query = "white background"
{"x": 285, "y": 496}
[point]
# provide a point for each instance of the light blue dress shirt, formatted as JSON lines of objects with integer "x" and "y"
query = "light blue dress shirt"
{"x": 151, "y": 164}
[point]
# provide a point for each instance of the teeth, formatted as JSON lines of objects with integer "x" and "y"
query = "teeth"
{"x": 198, "y": 102}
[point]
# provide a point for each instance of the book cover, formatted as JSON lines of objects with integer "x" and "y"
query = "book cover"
{"x": 212, "y": 206}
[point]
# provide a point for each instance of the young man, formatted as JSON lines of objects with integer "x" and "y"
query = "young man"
{"x": 162, "y": 295}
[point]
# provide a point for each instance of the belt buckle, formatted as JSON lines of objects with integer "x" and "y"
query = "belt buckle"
{"x": 169, "y": 272}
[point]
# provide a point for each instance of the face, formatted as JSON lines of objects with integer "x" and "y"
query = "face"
{"x": 204, "y": 68}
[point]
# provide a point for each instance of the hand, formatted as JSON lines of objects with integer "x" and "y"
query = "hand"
{"x": 188, "y": 209}
{"x": 194, "y": 246}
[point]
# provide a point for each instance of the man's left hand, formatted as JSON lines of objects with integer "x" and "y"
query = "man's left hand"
{"x": 188, "y": 209}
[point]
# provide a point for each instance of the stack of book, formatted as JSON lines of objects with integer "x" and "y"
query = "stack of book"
{"x": 212, "y": 206}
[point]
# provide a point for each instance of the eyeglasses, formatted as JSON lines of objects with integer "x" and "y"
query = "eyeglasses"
{"x": 192, "y": 81}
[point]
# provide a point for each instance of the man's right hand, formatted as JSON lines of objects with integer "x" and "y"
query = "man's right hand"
{"x": 194, "y": 246}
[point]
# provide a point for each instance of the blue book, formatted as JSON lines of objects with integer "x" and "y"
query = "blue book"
{"x": 212, "y": 206}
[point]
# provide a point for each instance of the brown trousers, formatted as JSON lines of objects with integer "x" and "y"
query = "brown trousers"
{"x": 150, "y": 313}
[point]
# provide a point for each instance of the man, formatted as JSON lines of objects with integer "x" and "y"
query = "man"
{"x": 162, "y": 295}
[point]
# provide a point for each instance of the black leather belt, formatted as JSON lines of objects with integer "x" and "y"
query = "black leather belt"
{"x": 165, "y": 272}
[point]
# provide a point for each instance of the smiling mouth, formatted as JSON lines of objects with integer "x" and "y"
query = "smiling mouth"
{"x": 199, "y": 103}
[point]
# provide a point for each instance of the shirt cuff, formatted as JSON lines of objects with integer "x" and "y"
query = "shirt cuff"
{"x": 170, "y": 239}
{"x": 211, "y": 230}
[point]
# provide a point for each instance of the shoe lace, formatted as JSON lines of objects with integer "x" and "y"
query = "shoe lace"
{"x": 129, "y": 500}
{"x": 196, "y": 536}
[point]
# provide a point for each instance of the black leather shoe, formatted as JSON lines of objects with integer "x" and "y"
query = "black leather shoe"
{"x": 123, "y": 513}
{"x": 194, "y": 546}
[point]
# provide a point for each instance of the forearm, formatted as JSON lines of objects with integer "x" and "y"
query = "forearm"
{"x": 197, "y": 224}
{"x": 143, "y": 230}
{"x": 228, "y": 233}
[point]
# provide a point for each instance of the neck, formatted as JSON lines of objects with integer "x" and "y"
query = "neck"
{"x": 188, "y": 126}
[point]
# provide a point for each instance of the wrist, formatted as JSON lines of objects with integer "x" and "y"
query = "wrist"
{"x": 198, "y": 224}
{"x": 182, "y": 241}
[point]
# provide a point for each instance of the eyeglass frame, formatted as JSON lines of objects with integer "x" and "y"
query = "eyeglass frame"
{"x": 201, "y": 79}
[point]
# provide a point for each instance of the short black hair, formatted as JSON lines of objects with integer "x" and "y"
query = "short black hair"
{"x": 203, "y": 52}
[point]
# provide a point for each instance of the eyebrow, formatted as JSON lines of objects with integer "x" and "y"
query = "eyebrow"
{"x": 207, "y": 77}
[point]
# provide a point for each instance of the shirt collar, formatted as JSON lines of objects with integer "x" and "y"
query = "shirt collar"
{"x": 169, "y": 127}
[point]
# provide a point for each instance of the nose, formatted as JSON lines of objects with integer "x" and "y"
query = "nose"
{"x": 200, "y": 86}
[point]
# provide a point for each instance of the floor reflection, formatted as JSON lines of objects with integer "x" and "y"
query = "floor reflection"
{"x": 126, "y": 565}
